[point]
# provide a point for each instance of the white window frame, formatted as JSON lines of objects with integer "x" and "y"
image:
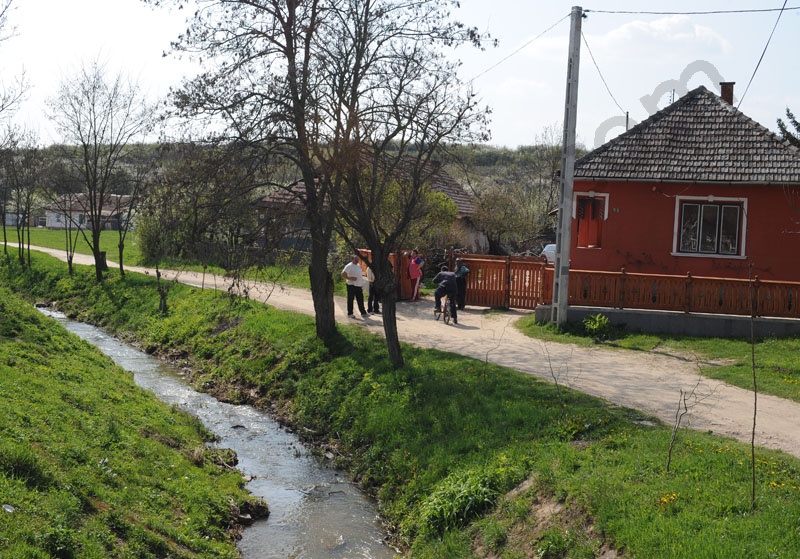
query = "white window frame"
{"x": 590, "y": 194}
{"x": 676, "y": 229}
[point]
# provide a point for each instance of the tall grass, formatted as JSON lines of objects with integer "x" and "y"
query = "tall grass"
{"x": 464, "y": 457}
{"x": 91, "y": 466}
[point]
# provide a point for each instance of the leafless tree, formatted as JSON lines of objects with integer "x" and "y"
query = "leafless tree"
{"x": 10, "y": 93}
{"x": 98, "y": 118}
{"x": 137, "y": 173}
{"x": 61, "y": 194}
{"x": 318, "y": 81}
{"x": 23, "y": 166}
{"x": 515, "y": 190}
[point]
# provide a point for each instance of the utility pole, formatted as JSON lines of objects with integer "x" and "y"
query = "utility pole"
{"x": 564, "y": 231}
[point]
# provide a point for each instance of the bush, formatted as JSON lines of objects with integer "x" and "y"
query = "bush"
{"x": 598, "y": 326}
{"x": 460, "y": 498}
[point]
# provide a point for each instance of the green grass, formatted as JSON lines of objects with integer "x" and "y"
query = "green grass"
{"x": 51, "y": 238}
{"x": 94, "y": 467}
{"x": 284, "y": 274}
{"x": 728, "y": 360}
{"x": 443, "y": 442}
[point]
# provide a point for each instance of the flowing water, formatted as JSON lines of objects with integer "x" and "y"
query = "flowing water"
{"x": 315, "y": 512}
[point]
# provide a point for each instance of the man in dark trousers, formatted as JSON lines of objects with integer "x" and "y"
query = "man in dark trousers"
{"x": 447, "y": 286}
{"x": 352, "y": 273}
{"x": 461, "y": 281}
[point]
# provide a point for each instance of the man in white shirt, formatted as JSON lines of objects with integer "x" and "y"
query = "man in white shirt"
{"x": 355, "y": 279}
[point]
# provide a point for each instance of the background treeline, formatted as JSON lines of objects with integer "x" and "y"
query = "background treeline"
{"x": 198, "y": 203}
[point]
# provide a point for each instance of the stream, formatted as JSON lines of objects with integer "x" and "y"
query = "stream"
{"x": 315, "y": 512}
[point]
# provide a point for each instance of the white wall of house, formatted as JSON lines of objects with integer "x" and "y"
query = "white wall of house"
{"x": 57, "y": 220}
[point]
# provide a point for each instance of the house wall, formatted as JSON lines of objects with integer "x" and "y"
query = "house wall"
{"x": 57, "y": 220}
{"x": 639, "y": 229}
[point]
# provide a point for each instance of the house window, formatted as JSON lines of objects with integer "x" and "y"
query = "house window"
{"x": 589, "y": 214}
{"x": 710, "y": 228}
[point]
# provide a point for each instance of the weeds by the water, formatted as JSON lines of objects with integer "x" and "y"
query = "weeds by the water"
{"x": 91, "y": 466}
{"x": 466, "y": 456}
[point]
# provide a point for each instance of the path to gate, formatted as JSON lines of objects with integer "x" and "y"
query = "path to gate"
{"x": 650, "y": 382}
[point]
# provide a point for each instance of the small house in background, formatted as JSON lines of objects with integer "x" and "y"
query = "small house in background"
{"x": 282, "y": 215}
{"x": 697, "y": 188}
{"x": 282, "y": 218}
{"x": 72, "y": 210}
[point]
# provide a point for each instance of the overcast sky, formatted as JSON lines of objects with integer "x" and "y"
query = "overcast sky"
{"x": 523, "y": 80}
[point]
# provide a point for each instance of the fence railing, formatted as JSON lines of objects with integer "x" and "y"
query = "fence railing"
{"x": 526, "y": 282}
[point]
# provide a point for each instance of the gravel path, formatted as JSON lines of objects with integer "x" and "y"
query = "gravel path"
{"x": 650, "y": 382}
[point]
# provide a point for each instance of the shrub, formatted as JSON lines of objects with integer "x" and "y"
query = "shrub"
{"x": 460, "y": 498}
{"x": 598, "y": 326}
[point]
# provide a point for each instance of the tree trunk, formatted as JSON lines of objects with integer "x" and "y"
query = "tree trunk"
{"x": 387, "y": 286}
{"x": 389, "y": 313}
{"x": 121, "y": 247}
{"x": 99, "y": 257}
{"x": 322, "y": 290}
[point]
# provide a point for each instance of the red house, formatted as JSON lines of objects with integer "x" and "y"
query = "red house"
{"x": 696, "y": 188}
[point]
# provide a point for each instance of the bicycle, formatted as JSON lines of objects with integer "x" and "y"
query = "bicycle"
{"x": 444, "y": 310}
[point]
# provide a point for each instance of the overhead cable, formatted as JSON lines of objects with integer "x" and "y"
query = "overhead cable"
{"x": 585, "y": 42}
{"x": 498, "y": 63}
{"x": 774, "y": 27}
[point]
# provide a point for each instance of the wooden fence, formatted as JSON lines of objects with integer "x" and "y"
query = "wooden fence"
{"x": 520, "y": 282}
{"x": 526, "y": 282}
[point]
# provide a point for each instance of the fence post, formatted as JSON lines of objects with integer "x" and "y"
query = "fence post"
{"x": 507, "y": 298}
{"x": 622, "y": 281}
{"x": 688, "y": 301}
{"x": 755, "y": 301}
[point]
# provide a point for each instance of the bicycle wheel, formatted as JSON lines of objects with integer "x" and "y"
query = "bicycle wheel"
{"x": 446, "y": 310}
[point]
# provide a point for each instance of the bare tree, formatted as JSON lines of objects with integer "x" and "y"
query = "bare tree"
{"x": 516, "y": 190}
{"x": 311, "y": 81}
{"x": 206, "y": 195}
{"x": 23, "y": 166}
{"x": 98, "y": 119}
{"x": 10, "y": 97}
{"x": 130, "y": 184}
{"x": 10, "y": 93}
{"x": 396, "y": 101}
{"x": 61, "y": 191}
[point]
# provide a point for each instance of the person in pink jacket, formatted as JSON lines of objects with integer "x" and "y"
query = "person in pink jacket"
{"x": 415, "y": 264}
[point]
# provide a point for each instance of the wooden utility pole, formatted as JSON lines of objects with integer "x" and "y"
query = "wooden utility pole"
{"x": 564, "y": 231}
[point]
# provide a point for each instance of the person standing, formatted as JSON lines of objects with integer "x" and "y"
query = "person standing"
{"x": 461, "y": 272}
{"x": 355, "y": 280}
{"x": 415, "y": 264}
{"x": 446, "y": 281}
{"x": 374, "y": 299}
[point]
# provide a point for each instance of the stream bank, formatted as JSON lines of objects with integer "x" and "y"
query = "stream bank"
{"x": 315, "y": 511}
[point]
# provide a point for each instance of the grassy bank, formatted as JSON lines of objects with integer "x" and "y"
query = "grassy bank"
{"x": 285, "y": 274}
{"x": 51, "y": 238}
{"x": 467, "y": 459}
{"x": 92, "y": 466}
{"x": 728, "y": 360}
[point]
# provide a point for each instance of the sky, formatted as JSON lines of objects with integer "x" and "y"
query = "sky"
{"x": 632, "y": 63}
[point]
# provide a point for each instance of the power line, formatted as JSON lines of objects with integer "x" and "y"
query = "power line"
{"x": 585, "y": 42}
{"x": 704, "y": 13}
{"x": 774, "y": 27}
{"x": 498, "y": 63}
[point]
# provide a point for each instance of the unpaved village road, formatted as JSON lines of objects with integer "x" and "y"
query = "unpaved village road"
{"x": 650, "y": 382}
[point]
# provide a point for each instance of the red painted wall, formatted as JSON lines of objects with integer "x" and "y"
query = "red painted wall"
{"x": 638, "y": 233}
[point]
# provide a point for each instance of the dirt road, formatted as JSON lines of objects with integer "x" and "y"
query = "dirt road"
{"x": 650, "y": 382}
